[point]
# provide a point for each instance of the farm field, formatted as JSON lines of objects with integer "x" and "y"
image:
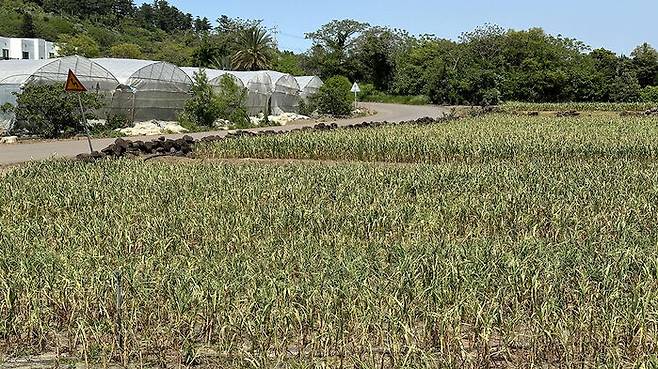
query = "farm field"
{"x": 496, "y": 241}
{"x": 580, "y": 106}
{"x": 489, "y": 138}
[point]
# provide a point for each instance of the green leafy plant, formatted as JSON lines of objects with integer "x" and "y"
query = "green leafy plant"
{"x": 49, "y": 111}
{"x": 650, "y": 94}
{"x": 334, "y": 97}
{"x": 231, "y": 99}
{"x": 126, "y": 50}
{"x": 254, "y": 50}
{"x": 210, "y": 103}
{"x": 201, "y": 109}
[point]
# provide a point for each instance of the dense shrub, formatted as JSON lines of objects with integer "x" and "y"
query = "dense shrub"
{"x": 650, "y": 94}
{"x": 49, "y": 111}
{"x": 231, "y": 102}
{"x": 370, "y": 94}
{"x": 209, "y": 104}
{"x": 335, "y": 98}
{"x": 308, "y": 106}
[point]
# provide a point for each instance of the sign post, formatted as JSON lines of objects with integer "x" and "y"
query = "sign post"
{"x": 73, "y": 84}
{"x": 356, "y": 89}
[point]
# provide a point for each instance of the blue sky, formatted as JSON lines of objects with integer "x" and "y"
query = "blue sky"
{"x": 616, "y": 25}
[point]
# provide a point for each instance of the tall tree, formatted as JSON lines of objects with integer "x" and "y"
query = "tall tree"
{"x": 645, "y": 61}
{"x": 27, "y": 27}
{"x": 202, "y": 25}
{"x": 332, "y": 50}
{"x": 375, "y": 52}
{"x": 255, "y": 50}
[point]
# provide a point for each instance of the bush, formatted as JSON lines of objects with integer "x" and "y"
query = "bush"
{"x": 201, "y": 110}
{"x": 491, "y": 96}
{"x": 208, "y": 104}
{"x": 82, "y": 45}
{"x": 334, "y": 97}
{"x": 231, "y": 102}
{"x": 649, "y": 94}
{"x": 307, "y": 106}
{"x": 370, "y": 94}
{"x": 49, "y": 111}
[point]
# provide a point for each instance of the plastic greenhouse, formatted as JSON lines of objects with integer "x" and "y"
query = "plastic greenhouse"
{"x": 285, "y": 93}
{"x": 309, "y": 85}
{"x": 259, "y": 87}
{"x": 14, "y": 74}
{"x": 147, "y": 89}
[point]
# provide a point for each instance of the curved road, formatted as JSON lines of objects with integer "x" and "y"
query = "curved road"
{"x": 23, "y": 152}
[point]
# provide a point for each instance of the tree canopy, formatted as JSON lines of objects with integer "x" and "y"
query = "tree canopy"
{"x": 483, "y": 66}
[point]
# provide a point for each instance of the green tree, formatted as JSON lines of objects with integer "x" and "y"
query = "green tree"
{"x": 231, "y": 102}
{"x": 209, "y": 50}
{"x": 27, "y": 28}
{"x": 332, "y": 52}
{"x": 202, "y": 25}
{"x": 175, "y": 53}
{"x": 49, "y": 111}
{"x": 334, "y": 97}
{"x": 288, "y": 62}
{"x": 649, "y": 94}
{"x": 255, "y": 50}
{"x": 126, "y": 50}
{"x": 208, "y": 103}
{"x": 645, "y": 61}
{"x": 201, "y": 109}
{"x": 604, "y": 71}
{"x": 625, "y": 87}
{"x": 375, "y": 53}
{"x": 82, "y": 45}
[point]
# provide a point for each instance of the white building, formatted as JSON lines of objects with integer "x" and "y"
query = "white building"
{"x": 26, "y": 48}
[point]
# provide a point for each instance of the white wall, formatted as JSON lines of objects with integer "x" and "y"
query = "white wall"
{"x": 4, "y": 45}
{"x": 35, "y": 48}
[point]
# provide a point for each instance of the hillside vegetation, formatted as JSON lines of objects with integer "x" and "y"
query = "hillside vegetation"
{"x": 484, "y": 66}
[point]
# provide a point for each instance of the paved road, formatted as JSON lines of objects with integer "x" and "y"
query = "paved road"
{"x": 19, "y": 153}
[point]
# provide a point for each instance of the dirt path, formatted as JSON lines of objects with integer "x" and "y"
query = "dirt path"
{"x": 19, "y": 153}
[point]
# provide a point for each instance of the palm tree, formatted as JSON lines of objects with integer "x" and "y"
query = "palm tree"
{"x": 254, "y": 47}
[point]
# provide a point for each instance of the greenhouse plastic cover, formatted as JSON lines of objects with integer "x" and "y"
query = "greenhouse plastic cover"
{"x": 14, "y": 74}
{"x": 147, "y": 89}
{"x": 285, "y": 92}
{"x": 309, "y": 85}
{"x": 147, "y": 75}
{"x": 259, "y": 87}
{"x": 214, "y": 75}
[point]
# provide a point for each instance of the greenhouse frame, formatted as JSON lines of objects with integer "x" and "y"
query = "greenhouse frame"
{"x": 285, "y": 93}
{"x": 15, "y": 74}
{"x": 259, "y": 90}
{"x": 143, "y": 90}
{"x": 147, "y": 89}
{"x": 309, "y": 85}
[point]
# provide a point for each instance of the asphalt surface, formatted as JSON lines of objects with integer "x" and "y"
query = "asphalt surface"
{"x": 23, "y": 152}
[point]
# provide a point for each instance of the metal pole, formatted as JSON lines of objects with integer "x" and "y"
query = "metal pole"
{"x": 84, "y": 122}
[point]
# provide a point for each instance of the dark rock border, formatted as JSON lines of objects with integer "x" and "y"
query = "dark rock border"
{"x": 185, "y": 146}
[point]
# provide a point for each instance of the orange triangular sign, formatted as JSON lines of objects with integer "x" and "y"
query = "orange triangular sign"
{"x": 73, "y": 84}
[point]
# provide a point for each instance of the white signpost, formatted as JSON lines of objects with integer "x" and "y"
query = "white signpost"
{"x": 356, "y": 89}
